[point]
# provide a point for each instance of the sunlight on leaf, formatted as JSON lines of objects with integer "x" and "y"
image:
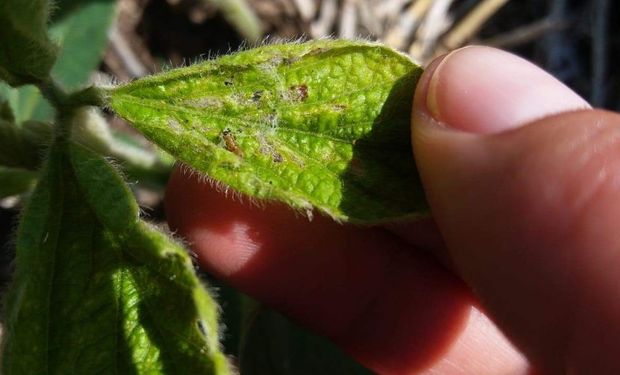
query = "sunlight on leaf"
{"x": 323, "y": 124}
{"x": 93, "y": 295}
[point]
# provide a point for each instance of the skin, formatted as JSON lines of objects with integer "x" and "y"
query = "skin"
{"x": 518, "y": 273}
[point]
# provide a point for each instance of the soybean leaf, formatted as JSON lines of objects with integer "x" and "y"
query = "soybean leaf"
{"x": 81, "y": 30}
{"x": 95, "y": 289}
{"x": 25, "y": 101}
{"x": 322, "y": 124}
{"x": 239, "y": 308}
{"x": 177, "y": 312}
{"x": 15, "y": 181}
{"x": 57, "y": 285}
{"x": 274, "y": 345}
{"x": 20, "y": 146}
{"x": 27, "y": 54}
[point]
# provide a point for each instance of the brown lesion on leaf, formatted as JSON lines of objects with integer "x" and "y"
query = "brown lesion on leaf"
{"x": 277, "y": 157}
{"x": 267, "y": 148}
{"x": 230, "y": 143}
{"x": 256, "y": 95}
{"x": 298, "y": 93}
{"x": 340, "y": 107}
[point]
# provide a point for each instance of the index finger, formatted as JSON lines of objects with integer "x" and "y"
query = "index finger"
{"x": 392, "y": 308}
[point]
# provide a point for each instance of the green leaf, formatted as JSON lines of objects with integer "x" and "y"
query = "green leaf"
{"x": 80, "y": 27}
{"x": 276, "y": 346}
{"x": 18, "y": 147}
{"x": 27, "y": 54}
{"x": 15, "y": 181}
{"x": 94, "y": 296}
{"x": 27, "y": 103}
{"x": 239, "y": 310}
{"x": 322, "y": 124}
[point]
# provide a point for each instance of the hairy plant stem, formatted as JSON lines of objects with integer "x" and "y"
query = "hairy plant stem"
{"x": 138, "y": 162}
{"x": 59, "y": 99}
{"x": 63, "y": 101}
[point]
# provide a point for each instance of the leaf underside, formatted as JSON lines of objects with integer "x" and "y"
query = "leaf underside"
{"x": 323, "y": 124}
{"x": 88, "y": 298}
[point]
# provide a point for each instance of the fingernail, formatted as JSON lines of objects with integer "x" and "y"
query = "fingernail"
{"x": 431, "y": 98}
{"x": 486, "y": 90}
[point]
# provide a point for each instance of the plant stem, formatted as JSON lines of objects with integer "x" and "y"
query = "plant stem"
{"x": 66, "y": 105}
{"x": 59, "y": 99}
{"x": 53, "y": 93}
{"x": 90, "y": 96}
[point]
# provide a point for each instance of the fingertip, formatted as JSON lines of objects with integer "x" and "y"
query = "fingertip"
{"x": 485, "y": 90}
{"x": 523, "y": 185}
{"x": 529, "y": 219}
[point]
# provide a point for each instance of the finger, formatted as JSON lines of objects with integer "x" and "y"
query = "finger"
{"x": 394, "y": 310}
{"x": 529, "y": 215}
{"x": 484, "y": 90}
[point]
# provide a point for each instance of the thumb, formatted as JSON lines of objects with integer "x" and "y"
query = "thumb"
{"x": 526, "y": 195}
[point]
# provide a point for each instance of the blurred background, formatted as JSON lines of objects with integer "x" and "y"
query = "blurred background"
{"x": 578, "y": 41}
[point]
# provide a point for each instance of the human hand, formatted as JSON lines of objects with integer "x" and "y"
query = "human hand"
{"x": 525, "y": 203}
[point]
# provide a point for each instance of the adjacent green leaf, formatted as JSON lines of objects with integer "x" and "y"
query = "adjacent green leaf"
{"x": 18, "y": 148}
{"x": 80, "y": 27}
{"x": 321, "y": 124}
{"x": 239, "y": 310}
{"x": 15, "y": 181}
{"x": 26, "y": 102}
{"x": 27, "y": 54}
{"x": 178, "y": 314}
{"x": 53, "y": 292}
{"x": 274, "y": 345}
{"x": 92, "y": 295}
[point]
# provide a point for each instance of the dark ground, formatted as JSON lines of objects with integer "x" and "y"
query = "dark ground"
{"x": 579, "y": 45}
